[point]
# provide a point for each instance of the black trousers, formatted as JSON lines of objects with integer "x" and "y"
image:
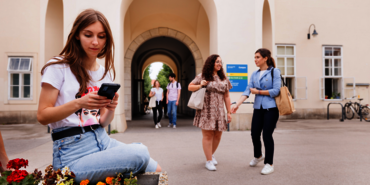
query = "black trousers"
{"x": 158, "y": 108}
{"x": 264, "y": 120}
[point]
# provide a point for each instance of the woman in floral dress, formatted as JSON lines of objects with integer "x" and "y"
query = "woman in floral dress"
{"x": 211, "y": 119}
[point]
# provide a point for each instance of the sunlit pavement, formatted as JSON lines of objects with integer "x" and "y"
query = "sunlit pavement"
{"x": 306, "y": 151}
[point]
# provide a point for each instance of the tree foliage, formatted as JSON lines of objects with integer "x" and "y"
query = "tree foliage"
{"x": 147, "y": 82}
{"x": 163, "y": 76}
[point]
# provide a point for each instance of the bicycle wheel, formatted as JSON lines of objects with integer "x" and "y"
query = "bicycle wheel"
{"x": 365, "y": 113}
{"x": 348, "y": 112}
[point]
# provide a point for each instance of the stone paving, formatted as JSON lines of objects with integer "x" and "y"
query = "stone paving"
{"x": 306, "y": 151}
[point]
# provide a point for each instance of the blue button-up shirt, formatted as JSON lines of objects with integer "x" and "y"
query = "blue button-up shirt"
{"x": 264, "y": 83}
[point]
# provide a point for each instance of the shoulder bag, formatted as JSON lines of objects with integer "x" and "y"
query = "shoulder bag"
{"x": 284, "y": 100}
{"x": 197, "y": 99}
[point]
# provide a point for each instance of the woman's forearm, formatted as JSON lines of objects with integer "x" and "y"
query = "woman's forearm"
{"x": 53, "y": 114}
{"x": 193, "y": 87}
{"x": 227, "y": 103}
{"x": 106, "y": 118}
{"x": 241, "y": 100}
{"x": 265, "y": 92}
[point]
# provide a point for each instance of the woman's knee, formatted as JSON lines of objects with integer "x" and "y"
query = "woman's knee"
{"x": 141, "y": 153}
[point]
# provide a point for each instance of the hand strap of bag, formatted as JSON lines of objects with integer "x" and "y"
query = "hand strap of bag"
{"x": 272, "y": 76}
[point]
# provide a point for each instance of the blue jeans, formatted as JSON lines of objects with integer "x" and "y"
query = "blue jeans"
{"x": 172, "y": 111}
{"x": 95, "y": 156}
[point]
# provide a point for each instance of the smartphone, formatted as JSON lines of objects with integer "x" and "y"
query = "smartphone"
{"x": 108, "y": 90}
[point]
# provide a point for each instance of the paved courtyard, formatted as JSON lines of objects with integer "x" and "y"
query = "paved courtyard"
{"x": 306, "y": 151}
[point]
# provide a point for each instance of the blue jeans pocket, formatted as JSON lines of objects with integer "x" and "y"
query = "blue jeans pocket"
{"x": 64, "y": 149}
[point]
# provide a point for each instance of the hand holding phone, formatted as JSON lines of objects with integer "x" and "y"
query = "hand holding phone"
{"x": 108, "y": 90}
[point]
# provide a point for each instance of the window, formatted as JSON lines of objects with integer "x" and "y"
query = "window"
{"x": 286, "y": 62}
{"x": 20, "y": 78}
{"x": 332, "y": 84}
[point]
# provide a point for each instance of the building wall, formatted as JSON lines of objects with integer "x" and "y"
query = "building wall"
{"x": 233, "y": 30}
{"x": 19, "y": 36}
{"x": 338, "y": 22}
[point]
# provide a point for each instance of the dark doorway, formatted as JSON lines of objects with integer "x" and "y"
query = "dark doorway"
{"x": 184, "y": 61}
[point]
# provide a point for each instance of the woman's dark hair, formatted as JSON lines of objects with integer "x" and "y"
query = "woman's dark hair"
{"x": 73, "y": 53}
{"x": 267, "y": 53}
{"x": 208, "y": 68}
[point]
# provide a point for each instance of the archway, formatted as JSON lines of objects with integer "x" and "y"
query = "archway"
{"x": 267, "y": 27}
{"x": 149, "y": 42}
{"x": 53, "y": 29}
{"x": 177, "y": 53}
{"x": 161, "y": 58}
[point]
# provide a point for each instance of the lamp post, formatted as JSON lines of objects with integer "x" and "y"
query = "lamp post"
{"x": 314, "y": 33}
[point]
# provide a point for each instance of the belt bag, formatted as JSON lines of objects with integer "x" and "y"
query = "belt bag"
{"x": 284, "y": 100}
{"x": 197, "y": 99}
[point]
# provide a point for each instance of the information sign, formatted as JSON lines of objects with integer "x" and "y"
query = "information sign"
{"x": 238, "y": 76}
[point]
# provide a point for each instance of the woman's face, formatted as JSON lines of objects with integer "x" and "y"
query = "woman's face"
{"x": 218, "y": 64}
{"x": 156, "y": 84}
{"x": 259, "y": 60}
{"x": 93, "y": 39}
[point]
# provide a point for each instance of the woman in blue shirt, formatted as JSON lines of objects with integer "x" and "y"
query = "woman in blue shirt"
{"x": 265, "y": 114}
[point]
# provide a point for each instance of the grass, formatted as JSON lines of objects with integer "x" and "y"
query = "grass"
{"x": 114, "y": 132}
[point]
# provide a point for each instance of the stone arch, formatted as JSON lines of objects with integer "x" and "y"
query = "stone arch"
{"x": 160, "y": 58}
{"x": 145, "y": 36}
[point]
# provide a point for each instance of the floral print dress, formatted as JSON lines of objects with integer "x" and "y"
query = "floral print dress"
{"x": 212, "y": 116}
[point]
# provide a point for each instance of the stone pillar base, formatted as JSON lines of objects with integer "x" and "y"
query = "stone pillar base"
{"x": 241, "y": 121}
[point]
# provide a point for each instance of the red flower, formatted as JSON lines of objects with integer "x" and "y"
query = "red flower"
{"x": 17, "y": 176}
{"x": 17, "y": 163}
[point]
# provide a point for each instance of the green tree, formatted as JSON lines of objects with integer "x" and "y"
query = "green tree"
{"x": 163, "y": 76}
{"x": 147, "y": 82}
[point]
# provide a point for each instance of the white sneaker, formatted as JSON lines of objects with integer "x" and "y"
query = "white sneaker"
{"x": 255, "y": 161}
{"x": 174, "y": 126}
{"x": 156, "y": 126}
{"x": 267, "y": 169}
{"x": 210, "y": 166}
{"x": 214, "y": 160}
{"x": 169, "y": 125}
{"x": 159, "y": 124}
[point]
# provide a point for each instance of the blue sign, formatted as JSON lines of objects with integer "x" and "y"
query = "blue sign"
{"x": 238, "y": 76}
{"x": 233, "y": 68}
{"x": 238, "y": 85}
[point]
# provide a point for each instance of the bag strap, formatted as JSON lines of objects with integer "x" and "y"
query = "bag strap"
{"x": 272, "y": 76}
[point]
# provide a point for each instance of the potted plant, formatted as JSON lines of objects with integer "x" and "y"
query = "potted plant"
{"x": 338, "y": 96}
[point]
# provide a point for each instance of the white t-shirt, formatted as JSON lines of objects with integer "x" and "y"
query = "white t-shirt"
{"x": 261, "y": 73}
{"x": 158, "y": 93}
{"x": 61, "y": 77}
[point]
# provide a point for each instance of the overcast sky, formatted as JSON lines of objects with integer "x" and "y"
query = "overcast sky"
{"x": 154, "y": 70}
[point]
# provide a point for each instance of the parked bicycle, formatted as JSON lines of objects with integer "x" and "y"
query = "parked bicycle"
{"x": 352, "y": 108}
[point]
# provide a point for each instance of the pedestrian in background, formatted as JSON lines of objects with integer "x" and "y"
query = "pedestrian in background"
{"x": 265, "y": 114}
{"x": 173, "y": 97}
{"x": 157, "y": 91}
{"x": 212, "y": 119}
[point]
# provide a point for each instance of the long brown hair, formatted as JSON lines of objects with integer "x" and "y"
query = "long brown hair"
{"x": 207, "y": 72}
{"x": 155, "y": 82}
{"x": 73, "y": 53}
{"x": 267, "y": 53}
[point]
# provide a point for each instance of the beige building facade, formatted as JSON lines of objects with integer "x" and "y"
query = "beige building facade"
{"x": 182, "y": 34}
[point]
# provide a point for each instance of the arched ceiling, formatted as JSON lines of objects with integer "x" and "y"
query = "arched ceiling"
{"x": 183, "y": 13}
